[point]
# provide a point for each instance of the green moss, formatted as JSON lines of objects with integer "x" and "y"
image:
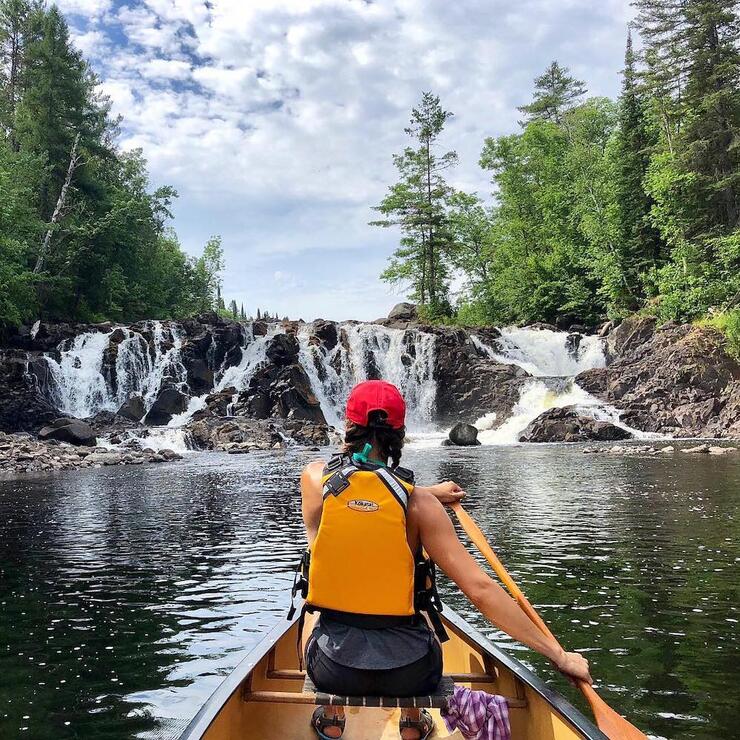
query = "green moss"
{"x": 728, "y": 322}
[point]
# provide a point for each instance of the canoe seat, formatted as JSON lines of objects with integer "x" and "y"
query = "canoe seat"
{"x": 436, "y": 700}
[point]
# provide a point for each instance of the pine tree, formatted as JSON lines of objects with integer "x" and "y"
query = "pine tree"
{"x": 555, "y": 93}
{"x": 242, "y": 315}
{"x": 640, "y": 245}
{"x": 418, "y": 203}
{"x": 259, "y": 316}
{"x": 692, "y": 72}
{"x": 14, "y": 30}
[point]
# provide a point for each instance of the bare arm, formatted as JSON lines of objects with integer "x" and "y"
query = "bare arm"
{"x": 443, "y": 546}
{"x": 311, "y": 498}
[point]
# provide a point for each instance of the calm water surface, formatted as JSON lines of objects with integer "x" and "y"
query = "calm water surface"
{"x": 127, "y": 594}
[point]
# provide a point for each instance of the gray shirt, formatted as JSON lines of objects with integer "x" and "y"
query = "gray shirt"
{"x": 373, "y": 650}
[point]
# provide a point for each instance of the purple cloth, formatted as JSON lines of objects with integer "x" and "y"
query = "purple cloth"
{"x": 478, "y": 715}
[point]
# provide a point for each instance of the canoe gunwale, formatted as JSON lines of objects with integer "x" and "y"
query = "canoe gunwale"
{"x": 210, "y": 710}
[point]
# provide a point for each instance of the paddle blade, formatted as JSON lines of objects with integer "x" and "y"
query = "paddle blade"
{"x": 612, "y": 724}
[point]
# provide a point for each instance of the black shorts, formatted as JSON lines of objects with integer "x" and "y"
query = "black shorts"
{"x": 416, "y": 679}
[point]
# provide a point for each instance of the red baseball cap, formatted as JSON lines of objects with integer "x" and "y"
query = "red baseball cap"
{"x": 376, "y": 395}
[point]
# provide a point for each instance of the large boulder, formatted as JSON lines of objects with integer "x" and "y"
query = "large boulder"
{"x": 73, "y": 431}
{"x": 403, "y": 312}
{"x": 463, "y": 435}
{"x": 565, "y": 424}
{"x": 133, "y": 409}
{"x": 629, "y": 335}
{"x": 170, "y": 401}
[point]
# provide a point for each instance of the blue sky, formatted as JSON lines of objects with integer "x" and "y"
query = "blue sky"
{"x": 276, "y": 120}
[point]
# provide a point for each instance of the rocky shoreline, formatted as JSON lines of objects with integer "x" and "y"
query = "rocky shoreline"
{"x": 244, "y": 387}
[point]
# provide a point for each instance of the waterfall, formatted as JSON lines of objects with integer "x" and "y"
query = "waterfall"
{"x": 554, "y": 359}
{"x": 364, "y": 351}
{"x": 81, "y": 382}
{"x": 545, "y": 353}
{"x": 253, "y": 357}
{"x": 76, "y": 384}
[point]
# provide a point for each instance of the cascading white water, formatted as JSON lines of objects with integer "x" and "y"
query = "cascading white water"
{"x": 79, "y": 388}
{"x": 254, "y": 355}
{"x": 546, "y": 354}
{"x": 404, "y": 358}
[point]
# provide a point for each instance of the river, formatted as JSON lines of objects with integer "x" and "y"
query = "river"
{"x": 127, "y": 594}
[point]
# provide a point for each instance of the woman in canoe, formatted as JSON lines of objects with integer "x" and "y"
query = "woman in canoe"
{"x": 370, "y": 629}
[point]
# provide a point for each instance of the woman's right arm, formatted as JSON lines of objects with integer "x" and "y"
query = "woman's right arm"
{"x": 439, "y": 539}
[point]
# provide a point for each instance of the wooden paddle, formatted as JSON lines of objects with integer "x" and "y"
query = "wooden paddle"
{"x": 610, "y": 722}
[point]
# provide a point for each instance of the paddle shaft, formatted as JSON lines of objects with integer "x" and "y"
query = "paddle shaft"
{"x": 609, "y": 721}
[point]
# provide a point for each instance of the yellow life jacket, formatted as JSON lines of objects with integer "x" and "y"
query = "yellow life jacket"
{"x": 360, "y": 561}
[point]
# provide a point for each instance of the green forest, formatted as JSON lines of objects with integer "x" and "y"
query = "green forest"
{"x": 601, "y": 208}
{"x": 83, "y": 235}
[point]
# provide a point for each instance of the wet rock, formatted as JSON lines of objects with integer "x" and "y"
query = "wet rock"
{"x": 326, "y": 333}
{"x": 403, "y": 312}
{"x": 170, "y": 401}
{"x": 698, "y": 450}
{"x": 282, "y": 392}
{"x": 629, "y": 335}
{"x": 469, "y": 384}
{"x": 133, "y": 409}
{"x": 463, "y": 435}
{"x": 22, "y": 403}
{"x": 283, "y": 350}
{"x": 543, "y": 325}
{"x": 675, "y": 379}
{"x": 73, "y": 431}
{"x": 567, "y": 425}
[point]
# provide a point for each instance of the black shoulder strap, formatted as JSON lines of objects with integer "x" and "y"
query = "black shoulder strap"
{"x": 335, "y": 463}
{"x": 404, "y": 474}
{"x": 338, "y": 481}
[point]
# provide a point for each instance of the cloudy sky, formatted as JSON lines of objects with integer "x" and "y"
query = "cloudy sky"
{"x": 276, "y": 120}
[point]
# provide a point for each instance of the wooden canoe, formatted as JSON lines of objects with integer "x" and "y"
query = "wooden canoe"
{"x": 263, "y": 697}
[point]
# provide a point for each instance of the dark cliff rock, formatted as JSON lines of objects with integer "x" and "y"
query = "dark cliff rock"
{"x": 280, "y": 391}
{"x": 674, "y": 379}
{"x": 565, "y": 424}
{"x": 470, "y": 384}
{"x": 22, "y": 406}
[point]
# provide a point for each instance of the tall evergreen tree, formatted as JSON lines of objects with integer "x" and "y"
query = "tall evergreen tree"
{"x": 14, "y": 30}
{"x": 640, "y": 244}
{"x": 555, "y": 93}
{"x": 418, "y": 203}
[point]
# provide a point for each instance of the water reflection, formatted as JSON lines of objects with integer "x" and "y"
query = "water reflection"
{"x": 128, "y": 594}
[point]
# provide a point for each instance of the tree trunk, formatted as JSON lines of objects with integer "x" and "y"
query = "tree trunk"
{"x": 74, "y": 161}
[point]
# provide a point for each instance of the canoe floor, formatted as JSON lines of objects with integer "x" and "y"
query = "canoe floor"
{"x": 252, "y": 714}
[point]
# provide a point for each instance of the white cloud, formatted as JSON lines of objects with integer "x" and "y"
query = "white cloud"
{"x": 88, "y": 8}
{"x": 276, "y": 119}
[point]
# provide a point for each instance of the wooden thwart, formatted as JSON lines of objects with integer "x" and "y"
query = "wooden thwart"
{"x": 290, "y": 674}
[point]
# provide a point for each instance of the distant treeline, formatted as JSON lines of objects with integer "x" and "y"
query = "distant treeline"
{"x": 82, "y": 234}
{"x": 601, "y": 208}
